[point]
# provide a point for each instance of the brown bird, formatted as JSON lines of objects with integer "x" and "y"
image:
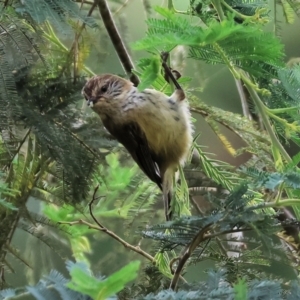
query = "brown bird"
{"x": 153, "y": 127}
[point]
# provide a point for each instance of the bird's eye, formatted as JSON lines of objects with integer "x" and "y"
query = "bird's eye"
{"x": 104, "y": 88}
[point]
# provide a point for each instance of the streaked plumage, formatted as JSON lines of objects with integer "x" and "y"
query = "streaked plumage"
{"x": 153, "y": 127}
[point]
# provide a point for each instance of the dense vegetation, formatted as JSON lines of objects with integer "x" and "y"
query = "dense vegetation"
{"x": 55, "y": 154}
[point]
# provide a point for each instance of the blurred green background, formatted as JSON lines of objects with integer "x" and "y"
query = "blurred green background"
{"x": 218, "y": 89}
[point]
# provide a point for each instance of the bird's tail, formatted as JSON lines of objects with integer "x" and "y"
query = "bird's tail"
{"x": 167, "y": 187}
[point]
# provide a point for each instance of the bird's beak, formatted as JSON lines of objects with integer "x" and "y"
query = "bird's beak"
{"x": 91, "y": 102}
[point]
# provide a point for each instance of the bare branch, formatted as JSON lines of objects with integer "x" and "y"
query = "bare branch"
{"x": 243, "y": 98}
{"x": 198, "y": 238}
{"x": 117, "y": 41}
{"x": 101, "y": 227}
{"x": 136, "y": 249}
{"x": 19, "y": 147}
{"x": 121, "y": 7}
{"x": 169, "y": 74}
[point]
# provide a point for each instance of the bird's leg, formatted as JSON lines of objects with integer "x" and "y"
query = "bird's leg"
{"x": 170, "y": 73}
{"x": 178, "y": 95}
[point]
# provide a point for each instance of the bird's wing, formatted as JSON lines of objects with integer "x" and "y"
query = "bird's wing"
{"x": 134, "y": 140}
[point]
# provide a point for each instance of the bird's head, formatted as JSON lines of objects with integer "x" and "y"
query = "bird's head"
{"x": 101, "y": 91}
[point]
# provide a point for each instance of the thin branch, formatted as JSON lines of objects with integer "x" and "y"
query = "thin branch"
{"x": 172, "y": 261}
{"x": 20, "y": 146}
{"x": 165, "y": 56}
{"x": 196, "y": 206}
{"x": 198, "y": 238}
{"x": 280, "y": 203}
{"x": 243, "y": 98}
{"x": 120, "y": 8}
{"x": 78, "y": 139}
{"x": 210, "y": 236}
{"x": 262, "y": 111}
{"x": 117, "y": 41}
{"x": 204, "y": 113}
{"x": 101, "y": 227}
{"x": 113, "y": 235}
{"x": 91, "y": 209}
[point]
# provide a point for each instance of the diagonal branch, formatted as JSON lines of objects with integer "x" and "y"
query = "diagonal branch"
{"x": 19, "y": 147}
{"x": 117, "y": 41}
{"x": 101, "y": 227}
{"x": 198, "y": 238}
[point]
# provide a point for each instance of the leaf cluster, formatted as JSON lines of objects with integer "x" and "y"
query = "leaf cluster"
{"x": 57, "y": 12}
{"x": 83, "y": 285}
{"x": 246, "y": 47}
{"x": 216, "y": 288}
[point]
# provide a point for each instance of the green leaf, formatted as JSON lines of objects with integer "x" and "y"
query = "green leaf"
{"x": 247, "y": 47}
{"x": 112, "y": 160}
{"x": 150, "y": 73}
{"x": 241, "y": 290}
{"x": 7, "y": 205}
{"x": 102, "y": 289}
{"x": 218, "y": 171}
{"x": 288, "y": 11}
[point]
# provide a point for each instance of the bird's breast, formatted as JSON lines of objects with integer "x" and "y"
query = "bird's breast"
{"x": 165, "y": 122}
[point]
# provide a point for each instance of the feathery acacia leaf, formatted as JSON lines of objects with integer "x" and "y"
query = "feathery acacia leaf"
{"x": 247, "y": 47}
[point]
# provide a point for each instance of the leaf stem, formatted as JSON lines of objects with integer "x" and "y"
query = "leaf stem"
{"x": 218, "y": 7}
{"x": 173, "y": 9}
{"x": 234, "y": 11}
{"x": 263, "y": 112}
{"x": 279, "y": 203}
{"x": 282, "y": 110}
{"x": 227, "y": 61}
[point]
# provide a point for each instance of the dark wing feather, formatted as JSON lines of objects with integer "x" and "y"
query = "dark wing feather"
{"x": 134, "y": 140}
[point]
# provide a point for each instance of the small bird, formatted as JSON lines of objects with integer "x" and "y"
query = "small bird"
{"x": 154, "y": 128}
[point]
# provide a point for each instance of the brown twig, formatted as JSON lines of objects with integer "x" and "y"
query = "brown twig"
{"x": 101, "y": 227}
{"x": 212, "y": 235}
{"x": 117, "y": 41}
{"x": 74, "y": 47}
{"x": 204, "y": 114}
{"x": 164, "y": 56}
{"x": 172, "y": 261}
{"x": 189, "y": 249}
{"x": 243, "y": 98}
{"x": 113, "y": 235}
{"x": 19, "y": 147}
{"x": 120, "y": 8}
{"x": 78, "y": 139}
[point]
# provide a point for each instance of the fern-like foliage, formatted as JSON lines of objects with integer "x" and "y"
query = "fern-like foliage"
{"x": 217, "y": 171}
{"x": 294, "y": 5}
{"x": 52, "y": 286}
{"x": 82, "y": 285}
{"x": 242, "y": 9}
{"x": 246, "y": 47}
{"x": 208, "y": 234}
{"x": 273, "y": 180}
{"x": 216, "y": 288}
{"x": 18, "y": 49}
{"x": 52, "y": 122}
{"x": 57, "y": 12}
